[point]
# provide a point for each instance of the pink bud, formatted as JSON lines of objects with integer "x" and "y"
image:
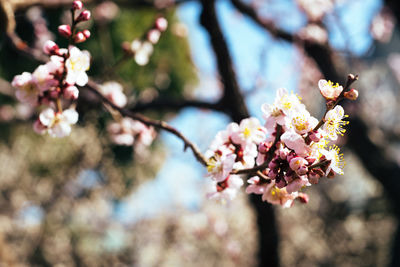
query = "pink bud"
{"x": 302, "y": 170}
{"x": 38, "y": 127}
{"x": 77, "y": 5}
{"x": 86, "y": 33}
{"x": 79, "y": 37}
{"x": 315, "y": 136}
{"x": 71, "y": 92}
{"x": 272, "y": 174}
{"x": 297, "y": 163}
{"x": 84, "y": 16}
{"x": 303, "y": 198}
{"x": 50, "y": 48}
{"x": 351, "y": 95}
{"x": 64, "y": 30}
{"x": 161, "y": 24}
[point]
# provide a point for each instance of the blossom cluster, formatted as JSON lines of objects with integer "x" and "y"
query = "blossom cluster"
{"x": 142, "y": 48}
{"x": 290, "y": 151}
{"x": 129, "y": 132}
{"x": 54, "y": 84}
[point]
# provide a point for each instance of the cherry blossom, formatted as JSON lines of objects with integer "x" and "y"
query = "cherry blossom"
{"x": 114, "y": 92}
{"x": 329, "y": 90}
{"x": 225, "y": 190}
{"x": 336, "y": 159}
{"x": 27, "y": 91}
{"x": 334, "y": 122}
{"x": 219, "y": 166}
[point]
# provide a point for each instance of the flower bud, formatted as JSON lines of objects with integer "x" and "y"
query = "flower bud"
{"x": 84, "y": 16}
{"x": 161, "y": 24}
{"x": 86, "y": 33}
{"x": 303, "y": 198}
{"x": 331, "y": 174}
{"x": 38, "y": 127}
{"x": 315, "y": 136}
{"x": 281, "y": 183}
{"x": 71, "y": 92}
{"x": 50, "y": 48}
{"x": 77, "y": 5}
{"x": 79, "y": 37}
{"x": 351, "y": 95}
{"x": 64, "y": 30}
{"x": 263, "y": 147}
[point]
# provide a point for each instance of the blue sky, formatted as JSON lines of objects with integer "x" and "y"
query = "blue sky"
{"x": 178, "y": 184}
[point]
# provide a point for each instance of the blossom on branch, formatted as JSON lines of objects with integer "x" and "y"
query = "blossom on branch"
{"x": 77, "y": 64}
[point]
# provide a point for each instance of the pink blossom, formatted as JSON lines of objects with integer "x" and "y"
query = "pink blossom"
{"x": 250, "y": 131}
{"x": 106, "y": 11}
{"x": 296, "y": 142}
{"x": 334, "y": 122}
{"x": 256, "y": 186}
{"x": 225, "y": 190}
{"x": 58, "y": 124}
{"x": 161, "y": 24}
{"x": 27, "y": 91}
{"x": 297, "y": 184}
{"x": 274, "y": 195}
{"x": 127, "y": 131}
{"x": 71, "y": 92}
{"x": 297, "y": 163}
{"x": 329, "y": 90}
{"x": 43, "y": 78}
{"x": 219, "y": 166}
{"x": 113, "y": 91}
{"x": 153, "y": 36}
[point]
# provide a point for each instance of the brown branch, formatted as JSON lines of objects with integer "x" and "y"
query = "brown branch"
{"x": 174, "y": 104}
{"x": 93, "y": 87}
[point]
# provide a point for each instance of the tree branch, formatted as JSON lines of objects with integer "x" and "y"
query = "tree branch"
{"x": 174, "y": 104}
{"x": 94, "y": 88}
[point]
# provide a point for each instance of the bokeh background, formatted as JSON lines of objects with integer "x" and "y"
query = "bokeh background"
{"x": 83, "y": 201}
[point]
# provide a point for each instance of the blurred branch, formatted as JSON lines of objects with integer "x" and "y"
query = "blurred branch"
{"x": 174, "y": 104}
{"x": 262, "y": 22}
